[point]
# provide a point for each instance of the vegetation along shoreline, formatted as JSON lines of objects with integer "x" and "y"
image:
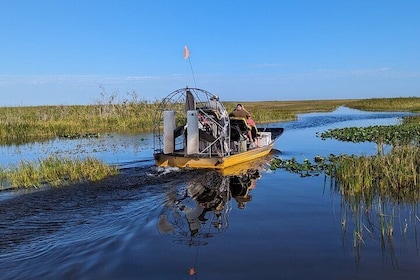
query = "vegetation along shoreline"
{"x": 28, "y": 124}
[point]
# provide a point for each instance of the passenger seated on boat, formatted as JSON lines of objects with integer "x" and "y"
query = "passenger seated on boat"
{"x": 253, "y": 125}
{"x": 241, "y": 113}
{"x": 239, "y": 126}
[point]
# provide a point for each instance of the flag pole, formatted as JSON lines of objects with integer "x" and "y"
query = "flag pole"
{"x": 187, "y": 56}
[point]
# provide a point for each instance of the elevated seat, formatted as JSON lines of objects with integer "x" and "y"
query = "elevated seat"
{"x": 240, "y": 125}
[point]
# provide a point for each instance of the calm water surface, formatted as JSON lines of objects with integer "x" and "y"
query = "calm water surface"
{"x": 170, "y": 224}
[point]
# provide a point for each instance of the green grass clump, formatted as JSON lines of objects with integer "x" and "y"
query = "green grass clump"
{"x": 395, "y": 175}
{"x": 55, "y": 171}
{"x": 412, "y": 120}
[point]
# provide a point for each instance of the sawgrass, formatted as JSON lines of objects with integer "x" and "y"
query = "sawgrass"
{"x": 395, "y": 175}
{"x": 18, "y": 124}
{"x": 411, "y": 104}
{"x": 412, "y": 120}
{"x": 35, "y": 123}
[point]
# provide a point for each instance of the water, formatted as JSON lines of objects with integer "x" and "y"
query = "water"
{"x": 113, "y": 148}
{"x": 170, "y": 224}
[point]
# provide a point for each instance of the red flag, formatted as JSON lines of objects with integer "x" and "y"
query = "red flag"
{"x": 186, "y": 52}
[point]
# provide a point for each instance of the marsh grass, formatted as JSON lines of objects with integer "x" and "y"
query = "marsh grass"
{"x": 24, "y": 124}
{"x": 374, "y": 188}
{"x": 412, "y": 120}
{"x": 394, "y": 175}
{"x": 28, "y": 124}
{"x": 411, "y": 104}
{"x": 55, "y": 171}
{"x": 272, "y": 111}
{"x": 129, "y": 114}
{"x": 371, "y": 188}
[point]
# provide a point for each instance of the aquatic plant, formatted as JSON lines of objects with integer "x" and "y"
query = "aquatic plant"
{"x": 371, "y": 187}
{"x": 55, "y": 171}
{"x": 406, "y": 133}
{"x": 396, "y": 174}
{"x": 394, "y": 135}
{"x": 376, "y": 191}
{"x": 411, "y": 119}
{"x": 79, "y": 136}
{"x": 305, "y": 169}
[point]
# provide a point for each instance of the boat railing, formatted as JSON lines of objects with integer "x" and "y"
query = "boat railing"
{"x": 219, "y": 129}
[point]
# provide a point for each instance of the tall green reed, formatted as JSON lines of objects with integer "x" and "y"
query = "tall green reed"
{"x": 395, "y": 174}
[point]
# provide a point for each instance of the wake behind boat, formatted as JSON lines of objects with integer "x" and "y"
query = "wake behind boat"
{"x": 193, "y": 129}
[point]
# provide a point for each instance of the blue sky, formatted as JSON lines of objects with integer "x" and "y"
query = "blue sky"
{"x": 69, "y": 52}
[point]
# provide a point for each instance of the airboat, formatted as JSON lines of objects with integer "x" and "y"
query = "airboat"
{"x": 192, "y": 129}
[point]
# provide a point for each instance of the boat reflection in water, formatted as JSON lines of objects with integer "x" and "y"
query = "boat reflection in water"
{"x": 201, "y": 208}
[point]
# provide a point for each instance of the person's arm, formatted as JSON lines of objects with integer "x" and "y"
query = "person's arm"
{"x": 246, "y": 111}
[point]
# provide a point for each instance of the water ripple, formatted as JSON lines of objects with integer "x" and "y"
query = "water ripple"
{"x": 342, "y": 114}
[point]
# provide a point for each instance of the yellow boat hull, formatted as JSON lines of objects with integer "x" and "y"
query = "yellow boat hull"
{"x": 174, "y": 160}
